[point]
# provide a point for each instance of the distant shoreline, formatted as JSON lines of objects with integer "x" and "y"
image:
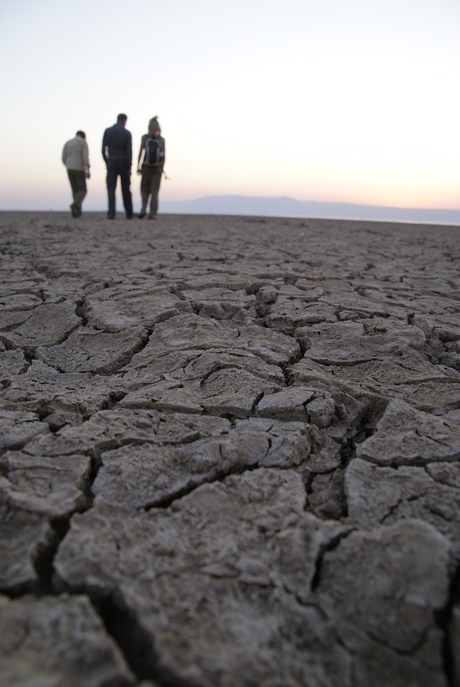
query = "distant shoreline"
{"x": 290, "y": 207}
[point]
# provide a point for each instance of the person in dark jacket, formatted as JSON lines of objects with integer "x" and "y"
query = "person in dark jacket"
{"x": 117, "y": 153}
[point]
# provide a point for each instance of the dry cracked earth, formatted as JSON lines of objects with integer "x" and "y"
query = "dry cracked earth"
{"x": 229, "y": 453}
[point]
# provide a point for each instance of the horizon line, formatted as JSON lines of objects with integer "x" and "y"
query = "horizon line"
{"x": 237, "y": 196}
{"x": 235, "y": 214}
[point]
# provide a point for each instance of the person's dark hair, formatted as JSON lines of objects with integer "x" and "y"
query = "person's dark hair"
{"x": 81, "y": 134}
{"x": 122, "y": 118}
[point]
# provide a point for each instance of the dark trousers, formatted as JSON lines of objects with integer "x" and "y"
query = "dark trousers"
{"x": 119, "y": 168}
{"x": 78, "y": 186}
{"x": 150, "y": 185}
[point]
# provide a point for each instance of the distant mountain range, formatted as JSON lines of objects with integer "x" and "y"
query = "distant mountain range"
{"x": 289, "y": 207}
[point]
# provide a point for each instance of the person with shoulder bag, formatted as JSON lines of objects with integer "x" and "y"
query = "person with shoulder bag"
{"x": 153, "y": 155}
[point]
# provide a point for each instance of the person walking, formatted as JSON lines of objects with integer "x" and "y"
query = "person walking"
{"x": 75, "y": 156}
{"x": 153, "y": 150}
{"x": 117, "y": 154}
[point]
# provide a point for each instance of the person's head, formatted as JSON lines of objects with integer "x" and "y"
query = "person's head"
{"x": 81, "y": 134}
{"x": 122, "y": 119}
{"x": 154, "y": 127}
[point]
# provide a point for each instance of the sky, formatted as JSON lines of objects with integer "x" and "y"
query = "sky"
{"x": 327, "y": 100}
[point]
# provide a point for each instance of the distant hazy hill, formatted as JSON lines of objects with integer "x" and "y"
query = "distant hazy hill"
{"x": 289, "y": 207}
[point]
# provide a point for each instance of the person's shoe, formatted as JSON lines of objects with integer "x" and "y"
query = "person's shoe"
{"x": 74, "y": 210}
{"x": 110, "y": 217}
{"x": 152, "y": 216}
{"x": 141, "y": 215}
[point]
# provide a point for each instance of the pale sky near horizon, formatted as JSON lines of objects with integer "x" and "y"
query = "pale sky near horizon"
{"x": 335, "y": 101}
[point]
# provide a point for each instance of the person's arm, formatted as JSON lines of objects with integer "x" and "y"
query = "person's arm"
{"x": 104, "y": 146}
{"x": 64, "y": 154}
{"x": 141, "y": 150}
{"x": 86, "y": 156}
{"x": 129, "y": 150}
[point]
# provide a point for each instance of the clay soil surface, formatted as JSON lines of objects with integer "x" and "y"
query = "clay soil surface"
{"x": 229, "y": 452}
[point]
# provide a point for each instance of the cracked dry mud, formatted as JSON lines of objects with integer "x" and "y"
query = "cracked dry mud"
{"x": 229, "y": 453}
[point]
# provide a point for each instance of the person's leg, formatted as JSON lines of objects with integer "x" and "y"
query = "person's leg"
{"x": 145, "y": 189}
{"x": 73, "y": 182}
{"x": 112, "y": 173}
{"x": 125, "y": 177}
{"x": 81, "y": 190}
{"x": 73, "y": 185}
{"x": 146, "y": 183}
{"x": 154, "y": 190}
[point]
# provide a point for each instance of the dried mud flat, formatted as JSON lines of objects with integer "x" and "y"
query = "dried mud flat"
{"x": 229, "y": 452}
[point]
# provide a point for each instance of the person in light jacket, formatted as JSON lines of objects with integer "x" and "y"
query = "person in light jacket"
{"x": 75, "y": 156}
